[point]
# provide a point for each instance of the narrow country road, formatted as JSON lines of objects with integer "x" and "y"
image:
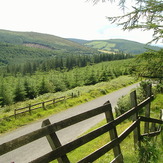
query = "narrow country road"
{"x": 40, "y": 147}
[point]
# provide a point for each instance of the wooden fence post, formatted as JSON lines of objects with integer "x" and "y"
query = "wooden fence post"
{"x": 43, "y": 105}
{"x": 54, "y": 142}
{"x": 113, "y": 134}
{"x": 136, "y": 132}
{"x": 161, "y": 118}
{"x": 147, "y": 111}
{"x": 54, "y": 101}
{"x": 30, "y": 109}
{"x": 15, "y": 113}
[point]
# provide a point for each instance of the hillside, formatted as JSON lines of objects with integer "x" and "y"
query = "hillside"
{"x": 117, "y": 45}
{"x": 46, "y": 40}
{"x": 18, "y": 47}
{"x": 13, "y": 54}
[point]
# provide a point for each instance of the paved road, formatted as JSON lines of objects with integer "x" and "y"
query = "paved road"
{"x": 40, "y": 147}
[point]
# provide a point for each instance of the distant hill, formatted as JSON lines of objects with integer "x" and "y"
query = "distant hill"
{"x": 117, "y": 45}
{"x": 46, "y": 40}
{"x": 19, "y": 47}
{"x": 80, "y": 41}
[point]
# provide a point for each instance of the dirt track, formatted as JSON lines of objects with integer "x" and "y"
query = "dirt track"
{"x": 40, "y": 147}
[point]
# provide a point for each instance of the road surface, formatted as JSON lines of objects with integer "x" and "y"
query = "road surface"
{"x": 40, "y": 147}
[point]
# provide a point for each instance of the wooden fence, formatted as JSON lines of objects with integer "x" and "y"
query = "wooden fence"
{"x": 39, "y": 105}
{"x": 59, "y": 151}
{"x": 43, "y": 104}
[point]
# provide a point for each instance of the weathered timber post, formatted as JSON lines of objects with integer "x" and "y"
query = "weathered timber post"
{"x": 113, "y": 134}
{"x": 54, "y": 101}
{"x": 30, "y": 109}
{"x": 43, "y": 105}
{"x": 133, "y": 98}
{"x": 15, "y": 113}
{"x": 161, "y": 118}
{"x": 54, "y": 142}
{"x": 147, "y": 111}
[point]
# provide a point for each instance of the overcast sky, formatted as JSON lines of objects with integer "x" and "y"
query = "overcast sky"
{"x": 65, "y": 18}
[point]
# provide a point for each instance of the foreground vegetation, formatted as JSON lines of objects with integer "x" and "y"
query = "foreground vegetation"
{"x": 150, "y": 151}
{"x": 87, "y": 93}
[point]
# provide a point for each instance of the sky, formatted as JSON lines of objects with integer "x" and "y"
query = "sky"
{"x": 79, "y": 19}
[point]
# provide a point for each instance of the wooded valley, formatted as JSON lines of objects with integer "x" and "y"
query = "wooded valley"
{"x": 32, "y": 64}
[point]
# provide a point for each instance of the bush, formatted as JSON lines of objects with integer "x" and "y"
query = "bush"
{"x": 123, "y": 105}
{"x": 159, "y": 87}
{"x": 148, "y": 151}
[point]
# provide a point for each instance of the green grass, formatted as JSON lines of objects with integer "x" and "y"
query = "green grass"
{"x": 87, "y": 93}
{"x": 156, "y": 106}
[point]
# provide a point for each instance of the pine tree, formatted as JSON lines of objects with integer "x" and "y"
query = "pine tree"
{"x": 30, "y": 89}
{"x": 19, "y": 92}
{"x": 145, "y": 15}
{"x": 6, "y": 96}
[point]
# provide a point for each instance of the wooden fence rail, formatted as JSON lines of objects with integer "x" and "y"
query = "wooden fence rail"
{"x": 39, "y": 105}
{"x": 59, "y": 151}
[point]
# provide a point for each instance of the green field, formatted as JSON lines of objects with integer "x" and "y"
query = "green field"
{"x": 119, "y": 45}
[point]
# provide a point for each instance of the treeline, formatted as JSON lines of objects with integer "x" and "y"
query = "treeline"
{"x": 19, "y": 88}
{"x": 61, "y": 62}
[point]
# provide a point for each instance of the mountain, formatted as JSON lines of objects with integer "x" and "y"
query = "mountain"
{"x": 19, "y": 47}
{"x": 117, "y": 45}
